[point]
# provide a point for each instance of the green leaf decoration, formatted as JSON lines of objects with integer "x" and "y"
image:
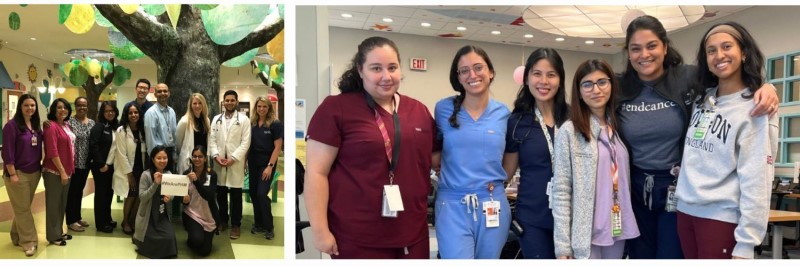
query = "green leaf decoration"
{"x": 227, "y": 24}
{"x": 122, "y": 47}
{"x": 78, "y": 75}
{"x": 155, "y": 10}
{"x": 46, "y": 83}
{"x": 206, "y": 7}
{"x": 23, "y": 5}
{"x": 121, "y": 75}
{"x": 13, "y": 21}
{"x": 242, "y": 59}
{"x": 281, "y": 10}
{"x": 61, "y": 70}
{"x": 101, "y": 21}
{"x": 63, "y": 12}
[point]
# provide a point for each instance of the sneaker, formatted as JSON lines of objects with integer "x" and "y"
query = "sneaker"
{"x": 235, "y": 232}
{"x": 270, "y": 235}
{"x": 29, "y": 252}
{"x": 257, "y": 229}
{"x": 77, "y": 227}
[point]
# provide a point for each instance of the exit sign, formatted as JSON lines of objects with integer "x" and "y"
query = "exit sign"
{"x": 419, "y": 64}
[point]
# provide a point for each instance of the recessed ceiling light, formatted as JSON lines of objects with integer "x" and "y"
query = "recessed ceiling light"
{"x": 389, "y": 20}
{"x": 496, "y": 32}
{"x": 33, "y": 38}
{"x": 345, "y": 15}
{"x": 560, "y": 39}
{"x": 528, "y": 35}
{"x": 589, "y": 42}
{"x": 425, "y": 24}
{"x": 461, "y": 28}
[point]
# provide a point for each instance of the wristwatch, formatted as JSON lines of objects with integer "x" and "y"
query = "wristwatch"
{"x": 271, "y": 164}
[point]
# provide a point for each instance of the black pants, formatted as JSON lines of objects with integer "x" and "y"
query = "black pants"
{"x": 198, "y": 239}
{"x": 262, "y": 205}
{"x": 103, "y": 195}
{"x": 75, "y": 195}
{"x": 236, "y": 205}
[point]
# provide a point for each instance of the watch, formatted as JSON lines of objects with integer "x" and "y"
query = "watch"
{"x": 271, "y": 164}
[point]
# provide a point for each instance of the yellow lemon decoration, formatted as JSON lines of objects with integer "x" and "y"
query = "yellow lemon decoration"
{"x": 129, "y": 8}
{"x": 275, "y": 47}
{"x": 81, "y": 18}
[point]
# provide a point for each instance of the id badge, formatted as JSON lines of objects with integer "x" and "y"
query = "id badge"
{"x": 392, "y": 201}
{"x": 549, "y": 193}
{"x": 616, "y": 223}
{"x": 672, "y": 200}
{"x": 702, "y": 126}
{"x": 492, "y": 211}
{"x": 161, "y": 208}
{"x": 34, "y": 140}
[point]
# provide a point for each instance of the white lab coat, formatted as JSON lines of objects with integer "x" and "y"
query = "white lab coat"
{"x": 232, "y": 143}
{"x": 124, "y": 160}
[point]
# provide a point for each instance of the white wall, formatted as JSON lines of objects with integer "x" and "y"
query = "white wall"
{"x": 432, "y": 85}
{"x": 16, "y": 63}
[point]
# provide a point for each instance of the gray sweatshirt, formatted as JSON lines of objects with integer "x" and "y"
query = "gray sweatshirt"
{"x": 727, "y": 174}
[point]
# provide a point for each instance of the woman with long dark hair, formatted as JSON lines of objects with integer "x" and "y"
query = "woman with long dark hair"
{"x": 101, "y": 142}
{"x": 59, "y": 165}
{"x": 200, "y": 214}
{"x": 472, "y": 212}
{"x": 591, "y": 187}
{"x": 724, "y": 190}
{"x": 22, "y": 169}
{"x": 129, "y": 163}
{"x": 540, "y": 108}
{"x": 154, "y": 236}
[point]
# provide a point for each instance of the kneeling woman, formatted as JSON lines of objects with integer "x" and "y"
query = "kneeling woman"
{"x": 154, "y": 236}
{"x": 199, "y": 217}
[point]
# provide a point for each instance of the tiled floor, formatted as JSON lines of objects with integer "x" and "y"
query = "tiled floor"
{"x": 92, "y": 244}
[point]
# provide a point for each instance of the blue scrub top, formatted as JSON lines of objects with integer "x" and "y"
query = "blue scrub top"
{"x": 535, "y": 168}
{"x": 472, "y": 155}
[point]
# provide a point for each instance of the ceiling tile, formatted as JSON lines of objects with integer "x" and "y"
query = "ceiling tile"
{"x": 612, "y": 28}
{"x": 357, "y": 16}
{"x": 423, "y": 14}
{"x": 602, "y": 9}
{"x": 539, "y": 24}
{"x": 405, "y": 12}
{"x": 674, "y": 23}
{"x": 346, "y": 23}
{"x": 569, "y": 21}
{"x": 606, "y": 18}
{"x": 360, "y": 9}
{"x": 555, "y": 11}
{"x": 693, "y": 10}
{"x": 415, "y": 23}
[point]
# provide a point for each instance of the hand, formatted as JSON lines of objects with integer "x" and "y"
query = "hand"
{"x": 229, "y": 162}
{"x": 187, "y": 199}
{"x": 104, "y": 168}
{"x": 564, "y": 257}
{"x": 326, "y": 243}
{"x": 192, "y": 176}
{"x": 45, "y": 124}
{"x": 220, "y": 161}
{"x": 766, "y": 100}
{"x": 14, "y": 179}
{"x": 157, "y": 178}
{"x": 266, "y": 174}
{"x": 165, "y": 199}
{"x": 64, "y": 178}
{"x": 131, "y": 182}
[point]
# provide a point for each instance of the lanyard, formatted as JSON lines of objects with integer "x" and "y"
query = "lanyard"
{"x": 546, "y": 133}
{"x": 392, "y": 150}
{"x": 614, "y": 167}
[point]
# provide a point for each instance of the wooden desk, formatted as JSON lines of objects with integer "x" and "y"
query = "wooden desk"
{"x": 777, "y": 230}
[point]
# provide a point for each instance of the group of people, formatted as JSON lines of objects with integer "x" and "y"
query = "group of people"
{"x": 128, "y": 156}
{"x": 601, "y": 177}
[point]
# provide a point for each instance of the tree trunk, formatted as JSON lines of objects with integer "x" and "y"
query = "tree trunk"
{"x": 188, "y": 60}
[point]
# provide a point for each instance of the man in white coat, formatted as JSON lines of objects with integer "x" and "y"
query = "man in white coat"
{"x": 228, "y": 143}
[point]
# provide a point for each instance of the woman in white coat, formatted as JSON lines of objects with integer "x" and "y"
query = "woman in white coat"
{"x": 129, "y": 162}
{"x": 192, "y": 131}
{"x": 228, "y": 143}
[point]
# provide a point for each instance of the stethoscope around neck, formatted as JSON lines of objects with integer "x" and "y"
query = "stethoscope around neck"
{"x": 219, "y": 119}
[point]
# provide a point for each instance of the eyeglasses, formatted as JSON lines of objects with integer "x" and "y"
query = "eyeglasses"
{"x": 464, "y": 71}
{"x": 603, "y": 83}
{"x": 142, "y": 87}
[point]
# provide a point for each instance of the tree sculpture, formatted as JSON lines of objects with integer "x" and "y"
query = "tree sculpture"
{"x": 188, "y": 59}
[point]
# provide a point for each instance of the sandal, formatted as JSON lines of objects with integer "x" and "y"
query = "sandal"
{"x": 127, "y": 229}
{"x": 66, "y": 237}
{"x": 77, "y": 227}
{"x": 60, "y": 242}
{"x": 83, "y": 223}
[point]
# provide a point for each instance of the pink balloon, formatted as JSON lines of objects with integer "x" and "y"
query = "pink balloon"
{"x": 518, "y": 74}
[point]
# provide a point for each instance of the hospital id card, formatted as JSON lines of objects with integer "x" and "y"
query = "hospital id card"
{"x": 492, "y": 211}
{"x": 392, "y": 201}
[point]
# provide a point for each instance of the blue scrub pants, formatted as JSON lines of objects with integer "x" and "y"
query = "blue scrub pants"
{"x": 461, "y": 225}
{"x": 658, "y": 228}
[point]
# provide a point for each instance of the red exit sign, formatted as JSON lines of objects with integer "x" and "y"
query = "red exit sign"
{"x": 419, "y": 64}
